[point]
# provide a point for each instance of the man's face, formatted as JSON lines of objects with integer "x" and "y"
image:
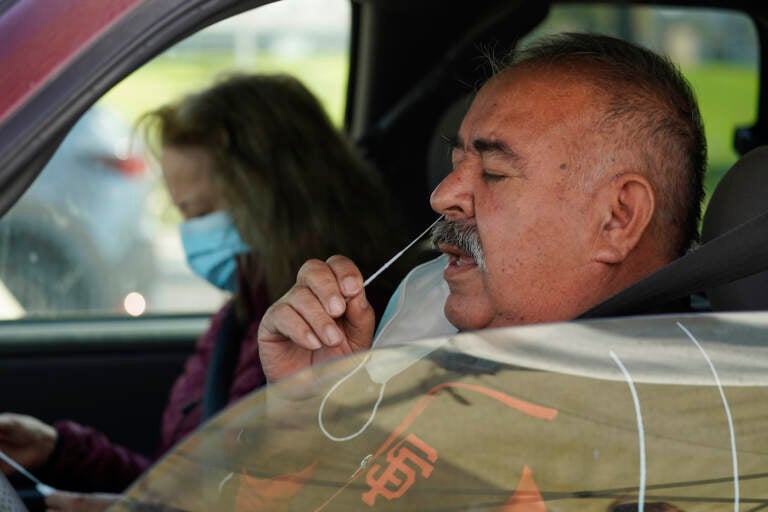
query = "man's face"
{"x": 515, "y": 178}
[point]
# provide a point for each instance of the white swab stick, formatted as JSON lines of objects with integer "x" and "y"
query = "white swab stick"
{"x": 397, "y": 256}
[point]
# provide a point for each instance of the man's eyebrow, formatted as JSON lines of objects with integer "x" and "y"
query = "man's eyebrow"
{"x": 495, "y": 146}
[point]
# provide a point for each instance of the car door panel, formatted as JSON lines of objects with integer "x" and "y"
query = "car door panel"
{"x": 111, "y": 374}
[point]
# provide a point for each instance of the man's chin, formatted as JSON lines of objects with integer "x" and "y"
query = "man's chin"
{"x": 467, "y": 313}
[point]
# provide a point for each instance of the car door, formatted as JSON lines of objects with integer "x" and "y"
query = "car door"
{"x": 104, "y": 366}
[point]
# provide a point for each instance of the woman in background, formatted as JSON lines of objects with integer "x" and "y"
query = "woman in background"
{"x": 264, "y": 182}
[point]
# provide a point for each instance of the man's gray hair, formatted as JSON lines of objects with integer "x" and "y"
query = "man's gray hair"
{"x": 651, "y": 115}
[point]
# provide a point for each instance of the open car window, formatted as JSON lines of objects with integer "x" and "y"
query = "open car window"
{"x": 96, "y": 233}
{"x": 110, "y": 247}
{"x": 592, "y": 416}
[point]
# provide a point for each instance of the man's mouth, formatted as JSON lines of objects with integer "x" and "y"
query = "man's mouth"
{"x": 456, "y": 258}
{"x": 460, "y": 262}
{"x": 461, "y": 242}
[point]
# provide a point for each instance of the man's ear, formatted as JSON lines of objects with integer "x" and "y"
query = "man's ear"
{"x": 626, "y": 205}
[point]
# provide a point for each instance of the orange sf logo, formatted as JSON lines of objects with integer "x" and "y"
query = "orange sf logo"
{"x": 411, "y": 454}
{"x": 400, "y": 474}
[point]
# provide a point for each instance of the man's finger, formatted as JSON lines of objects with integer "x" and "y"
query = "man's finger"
{"x": 282, "y": 323}
{"x": 305, "y": 303}
{"x": 318, "y": 277}
{"x": 359, "y": 322}
{"x": 347, "y": 275}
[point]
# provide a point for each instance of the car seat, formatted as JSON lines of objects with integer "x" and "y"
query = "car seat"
{"x": 740, "y": 196}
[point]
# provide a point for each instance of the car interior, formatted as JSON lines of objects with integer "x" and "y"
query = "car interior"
{"x": 737, "y": 200}
{"x": 412, "y": 69}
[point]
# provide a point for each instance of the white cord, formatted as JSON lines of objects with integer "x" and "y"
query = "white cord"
{"x": 223, "y": 482}
{"x": 640, "y": 430}
{"x": 332, "y": 390}
{"x": 734, "y": 453}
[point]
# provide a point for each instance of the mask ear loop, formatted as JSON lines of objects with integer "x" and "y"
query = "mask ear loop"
{"x": 332, "y": 390}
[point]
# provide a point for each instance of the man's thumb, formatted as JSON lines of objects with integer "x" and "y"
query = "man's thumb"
{"x": 359, "y": 322}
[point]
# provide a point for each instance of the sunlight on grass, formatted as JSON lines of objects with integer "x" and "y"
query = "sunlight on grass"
{"x": 727, "y": 96}
{"x": 168, "y": 77}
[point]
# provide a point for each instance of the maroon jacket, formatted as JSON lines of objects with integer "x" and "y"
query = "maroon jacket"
{"x": 85, "y": 460}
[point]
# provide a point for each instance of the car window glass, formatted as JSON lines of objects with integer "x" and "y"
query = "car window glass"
{"x": 590, "y": 416}
{"x": 96, "y": 233}
{"x": 716, "y": 50}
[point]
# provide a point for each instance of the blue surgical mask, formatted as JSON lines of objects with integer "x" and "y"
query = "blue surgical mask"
{"x": 211, "y": 243}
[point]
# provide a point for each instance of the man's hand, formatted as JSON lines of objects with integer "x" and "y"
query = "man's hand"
{"x": 324, "y": 315}
{"x": 61, "y": 501}
{"x": 26, "y": 440}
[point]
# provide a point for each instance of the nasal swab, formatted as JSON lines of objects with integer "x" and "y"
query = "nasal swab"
{"x": 43, "y": 489}
{"x": 397, "y": 256}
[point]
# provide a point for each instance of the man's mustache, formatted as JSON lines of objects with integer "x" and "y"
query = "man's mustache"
{"x": 463, "y": 236}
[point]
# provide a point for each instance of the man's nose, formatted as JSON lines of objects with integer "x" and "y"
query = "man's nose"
{"x": 453, "y": 196}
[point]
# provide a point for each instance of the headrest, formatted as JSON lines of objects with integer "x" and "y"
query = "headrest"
{"x": 741, "y": 195}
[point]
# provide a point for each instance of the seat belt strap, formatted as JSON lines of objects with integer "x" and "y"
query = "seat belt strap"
{"x": 221, "y": 369}
{"x": 737, "y": 253}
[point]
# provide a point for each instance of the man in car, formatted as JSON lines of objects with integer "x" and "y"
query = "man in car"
{"x": 576, "y": 172}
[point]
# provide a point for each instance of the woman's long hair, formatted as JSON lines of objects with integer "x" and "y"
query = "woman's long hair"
{"x": 293, "y": 184}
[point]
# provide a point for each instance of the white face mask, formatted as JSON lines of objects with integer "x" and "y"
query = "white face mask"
{"x": 417, "y": 308}
{"x": 211, "y": 243}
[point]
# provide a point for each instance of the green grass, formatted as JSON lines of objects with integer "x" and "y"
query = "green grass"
{"x": 727, "y": 96}
{"x": 169, "y": 77}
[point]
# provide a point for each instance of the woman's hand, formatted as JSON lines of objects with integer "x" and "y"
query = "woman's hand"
{"x": 26, "y": 440}
{"x": 61, "y": 501}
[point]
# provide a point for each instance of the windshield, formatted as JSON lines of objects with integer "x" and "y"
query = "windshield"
{"x": 608, "y": 415}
